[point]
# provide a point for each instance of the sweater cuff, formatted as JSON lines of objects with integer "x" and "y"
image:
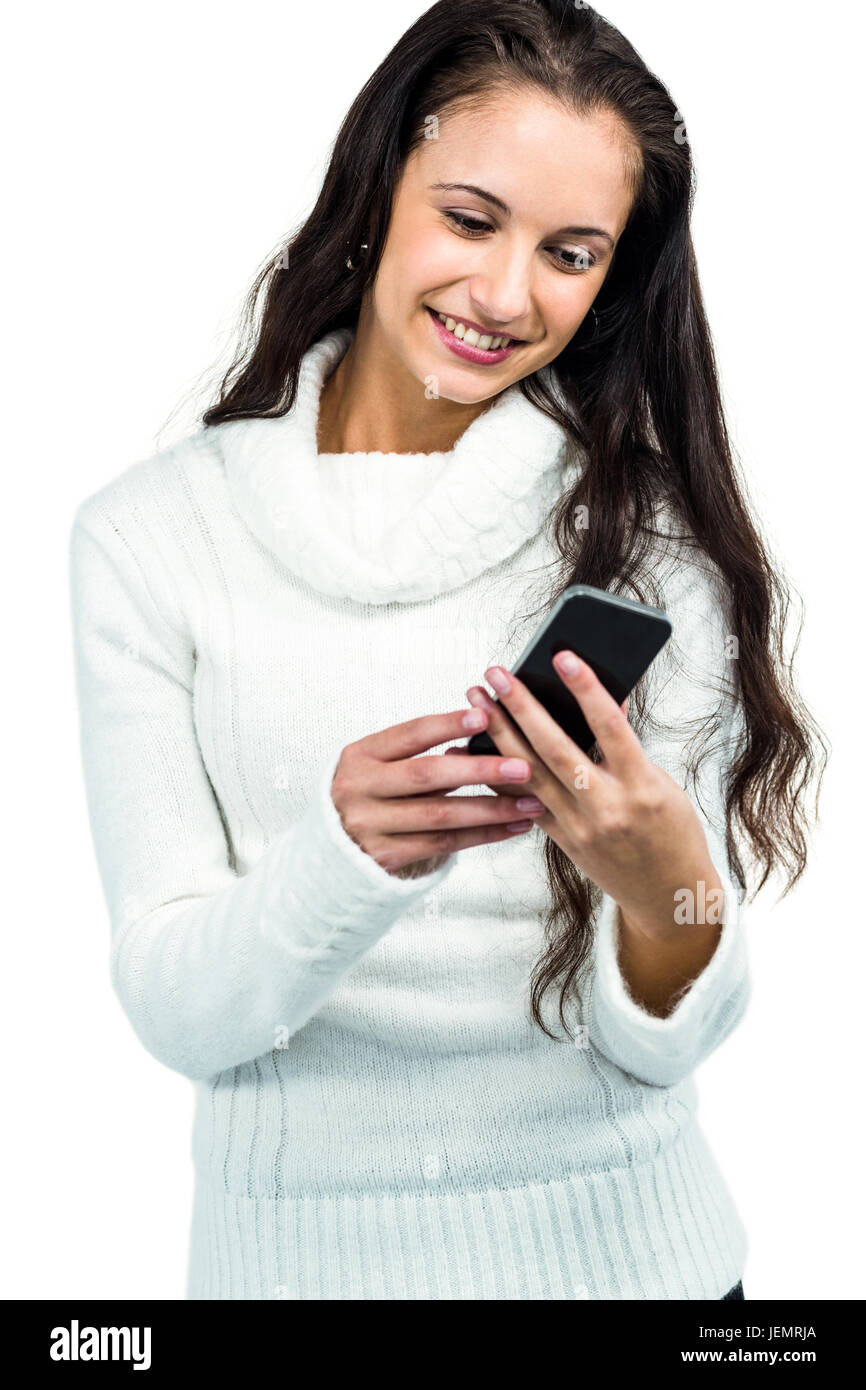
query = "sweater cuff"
{"x": 661, "y": 1050}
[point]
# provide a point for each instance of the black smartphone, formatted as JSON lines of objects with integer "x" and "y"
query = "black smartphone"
{"x": 618, "y": 637}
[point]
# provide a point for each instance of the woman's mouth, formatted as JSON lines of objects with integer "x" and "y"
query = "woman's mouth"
{"x": 470, "y": 344}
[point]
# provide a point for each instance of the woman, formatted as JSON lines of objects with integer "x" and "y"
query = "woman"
{"x": 482, "y": 372}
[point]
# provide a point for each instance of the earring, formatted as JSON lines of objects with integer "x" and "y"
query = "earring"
{"x": 364, "y": 248}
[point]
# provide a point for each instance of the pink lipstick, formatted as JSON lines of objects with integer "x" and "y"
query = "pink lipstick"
{"x": 470, "y": 352}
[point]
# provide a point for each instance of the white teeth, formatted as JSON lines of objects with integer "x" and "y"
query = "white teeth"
{"x": 487, "y": 341}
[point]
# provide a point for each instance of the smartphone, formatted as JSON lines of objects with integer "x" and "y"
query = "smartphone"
{"x": 618, "y": 637}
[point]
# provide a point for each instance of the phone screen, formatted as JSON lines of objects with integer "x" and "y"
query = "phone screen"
{"x": 618, "y": 637}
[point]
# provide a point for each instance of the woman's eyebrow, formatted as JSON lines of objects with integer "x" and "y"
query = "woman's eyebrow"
{"x": 503, "y": 207}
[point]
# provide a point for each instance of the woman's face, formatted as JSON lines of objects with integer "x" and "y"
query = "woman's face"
{"x": 505, "y": 223}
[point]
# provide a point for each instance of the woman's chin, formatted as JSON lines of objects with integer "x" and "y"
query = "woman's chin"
{"x": 449, "y": 384}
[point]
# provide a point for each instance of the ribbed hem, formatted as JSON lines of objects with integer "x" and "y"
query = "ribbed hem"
{"x": 664, "y": 1230}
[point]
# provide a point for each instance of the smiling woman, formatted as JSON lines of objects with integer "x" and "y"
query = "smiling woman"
{"x": 485, "y": 240}
{"x": 481, "y": 373}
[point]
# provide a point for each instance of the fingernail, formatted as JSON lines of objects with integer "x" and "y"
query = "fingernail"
{"x": 529, "y": 803}
{"x": 568, "y": 663}
{"x": 498, "y": 679}
{"x": 517, "y": 827}
{"x": 473, "y": 719}
{"x": 478, "y": 697}
{"x": 514, "y": 768}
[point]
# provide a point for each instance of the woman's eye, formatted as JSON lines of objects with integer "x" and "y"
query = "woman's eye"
{"x": 470, "y": 225}
{"x": 575, "y": 261}
{"x": 579, "y": 260}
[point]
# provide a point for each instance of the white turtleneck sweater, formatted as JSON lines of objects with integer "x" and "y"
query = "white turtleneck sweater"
{"x": 376, "y": 1115}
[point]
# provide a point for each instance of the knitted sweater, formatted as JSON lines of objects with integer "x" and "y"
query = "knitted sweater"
{"x": 376, "y": 1114}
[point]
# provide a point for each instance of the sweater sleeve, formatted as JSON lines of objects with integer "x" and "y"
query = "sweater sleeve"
{"x": 212, "y": 968}
{"x": 691, "y": 687}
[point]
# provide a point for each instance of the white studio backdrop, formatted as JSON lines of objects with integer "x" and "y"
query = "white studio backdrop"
{"x": 158, "y": 154}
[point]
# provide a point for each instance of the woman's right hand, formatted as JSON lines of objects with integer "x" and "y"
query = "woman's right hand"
{"x": 395, "y": 806}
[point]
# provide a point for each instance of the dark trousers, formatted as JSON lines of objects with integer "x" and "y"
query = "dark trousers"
{"x": 735, "y": 1292}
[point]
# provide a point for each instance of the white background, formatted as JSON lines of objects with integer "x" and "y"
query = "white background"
{"x": 157, "y": 155}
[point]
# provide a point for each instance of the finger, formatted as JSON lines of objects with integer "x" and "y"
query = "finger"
{"x": 503, "y": 789}
{"x": 439, "y": 772}
{"x": 415, "y": 736}
{"x": 511, "y": 741}
{"x": 397, "y": 851}
{"x": 560, "y": 754}
{"x": 409, "y": 815}
{"x": 619, "y": 744}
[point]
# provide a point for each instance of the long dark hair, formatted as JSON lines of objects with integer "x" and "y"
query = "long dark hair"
{"x": 636, "y": 388}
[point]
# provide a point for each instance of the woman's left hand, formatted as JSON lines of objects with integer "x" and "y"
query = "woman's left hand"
{"x": 624, "y": 821}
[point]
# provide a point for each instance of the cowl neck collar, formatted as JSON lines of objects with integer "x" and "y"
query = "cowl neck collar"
{"x": 487, "y": 496}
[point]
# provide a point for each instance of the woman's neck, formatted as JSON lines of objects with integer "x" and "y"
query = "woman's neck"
{"x": 371, "y": 403}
